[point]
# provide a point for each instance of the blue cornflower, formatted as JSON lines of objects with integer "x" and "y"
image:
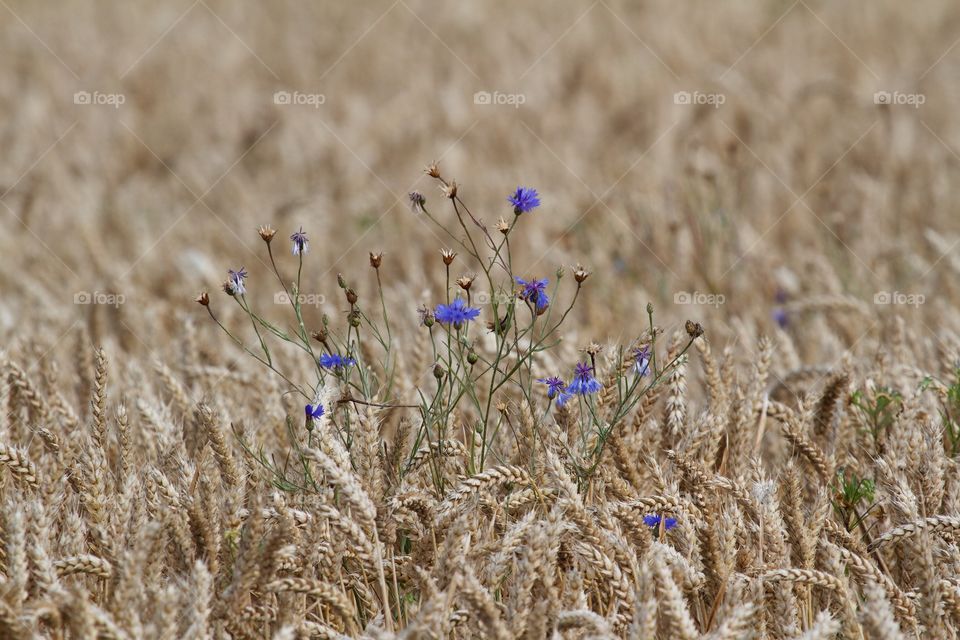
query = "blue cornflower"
{"x": 583, "y": 381}
{"x": 300, "y": 243}
{"x": 780, "y": 317}
{"x": 554, "y": 384}
{"x": 642, "y": 357}
{"x": 524, "y": 199}
{"x": 336, "y": 361}
{"x": 455, "y": 313}
{"x": 653, "y": 521}
{"x": 313, "y": 411}
{"x": 534, "y": 291}
{"x": 236, "y": 279}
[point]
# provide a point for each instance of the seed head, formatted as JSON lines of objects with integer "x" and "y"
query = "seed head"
{"x": 694, "y": 329}
{"x": 376, "y": 259}
{"x": 266, "y": 232}
{"x": 448, "y": 255}
{"x": 502, "y": 226}
{"x": 580, "y": 274}
{"x": 450, "y": 189}
{"x": 203, "y": 299}
{"x": 438, "y": 371}
{"x": 592, "y": 349}
{"x": 320, "y": 336}
{"x": 351, "y": 296}
{"x": 426, "y": 316}
{"x": 432, "y": 170}
{"x": 465, "y": 282}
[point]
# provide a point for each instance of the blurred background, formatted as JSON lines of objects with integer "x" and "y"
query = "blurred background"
{"x": 765, "y": 168}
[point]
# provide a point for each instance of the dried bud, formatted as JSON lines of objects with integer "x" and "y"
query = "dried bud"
{"x": 376, "y": 259}
{"x": 499, "y": 327}
{"x": 580, "y": 274}
{"x": 341, "y": 282}
{"x": 502, "y": 226}
{"x": 351, "y": 296}
{"x": 465, "y": 282}
{"x": 203, "y": 299}
{"x": 320, "y": 336}
{"x": 450, "y": 189}
{"x": 354, "y": 319}
{"x": 432, "y": 170}
{"x": 472, "y": 357}
{"x": 694, "y": 330}
{"x": 426, "y": 316}
{"x": 438, "y": 371}
{"x": 448, "y": 256}
{"x": 267, "y": 232}
{"x": 229, "y": 288}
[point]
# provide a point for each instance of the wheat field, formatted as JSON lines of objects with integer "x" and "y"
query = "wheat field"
{"x": 416, "y": 319}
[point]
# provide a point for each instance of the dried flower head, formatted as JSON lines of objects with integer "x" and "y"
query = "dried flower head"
{"x": 450, "y": 189}
{"x": 580, "y": 274}
{"x": 694, "y": 329}
{"x": 300, "y": 243}
{"x": 502, "y": 226}
{"x": 236, "y": 280}
{"x": 203, "y": 299}
{"x": 448, "y": 255}
{"x": 351, "y": 295}
{"x": 417, "y": 202}
{"x": 592, "y": 349}
{"x": 465, "y": 282}
{"x": 432, "y": 170}
{"x": 376, "y": 259}
{"x": 267, "y": 232}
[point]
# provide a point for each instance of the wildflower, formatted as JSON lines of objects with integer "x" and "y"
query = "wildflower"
{"x": 583, "y": 381}
{"x": 556, "y": 389}
{"x": 417, "y": 201}
{"x": 335, "y": 361}
{"x": 523, "y": 200}
{"x": 653, "y": 521}
{"x": 266, "y": 232}
{"x": 448, "y": 255}
{"x": 456, "y": 313}
{"x": 236, "y": 281}
{"x": 313, "y": 411}
{"x": 534, "y": 291}
{"x": 203, "y": 299}
{"x": 642, "y": 357}
{"x": 780, "y": 317}
{"x": 376, "y": 259}
{"x": 300, "y": 244}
